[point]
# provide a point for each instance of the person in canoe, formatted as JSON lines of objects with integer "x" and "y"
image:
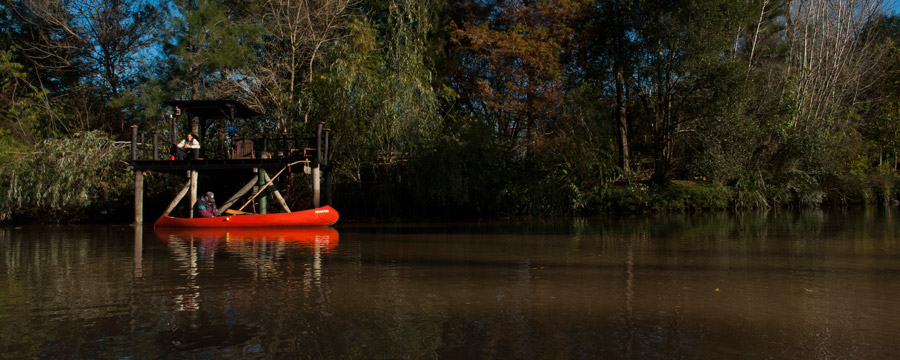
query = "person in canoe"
{"x": 206, "y": 207}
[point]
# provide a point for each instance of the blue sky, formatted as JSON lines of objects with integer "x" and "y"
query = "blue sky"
{"x": 894, "y": 6}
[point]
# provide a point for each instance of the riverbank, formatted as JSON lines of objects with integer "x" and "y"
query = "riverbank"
{"x": 85, "y": 179}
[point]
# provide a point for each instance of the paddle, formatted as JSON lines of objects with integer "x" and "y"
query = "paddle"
{"x": 237, "y": 212}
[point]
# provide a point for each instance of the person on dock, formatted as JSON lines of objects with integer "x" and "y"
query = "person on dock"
{"x": 206, "y": 207}
{"x": 189, "y": 143}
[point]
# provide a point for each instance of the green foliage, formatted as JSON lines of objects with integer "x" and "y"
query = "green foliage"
{"x": 750, "y": 191}
{"x": 208, "y": 41}
{"x": 466, "y": 159}
{"x": 679, "y": 47}
{"x": 377, "y": 94}
{"x": 477, "y": 107}
{"x": 678, "y": 196}
{"x": 21, "y": 111}
{"x": 64, "y": 180}
{"x": 11, "y": 149}
{"x": 631, "y": 198}
{"x": 725, "y": 140}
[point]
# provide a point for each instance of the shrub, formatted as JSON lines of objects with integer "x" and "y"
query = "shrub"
{"x": 64, "y": 180}
{"x": 677, "y": 196}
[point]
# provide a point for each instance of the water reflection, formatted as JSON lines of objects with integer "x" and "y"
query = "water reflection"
{"x": 260, "y": 251}
{"x": 785, "y": 285}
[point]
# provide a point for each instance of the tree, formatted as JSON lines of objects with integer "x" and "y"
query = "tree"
{"x": 20, "y": 105}
{"x": 377, "y": 91}
{"x": 812, "y": 66}
{"x": 881, "y": 120}
{"x": 613, "y": 47}
{"x": 210, "y": 44}
{"x": 829, "y": 58}
{"x": 681, "y": 46}
{"x": 511, "y": 65}
{"x": 106, "y": 40}
{"x": 296, "y": 33}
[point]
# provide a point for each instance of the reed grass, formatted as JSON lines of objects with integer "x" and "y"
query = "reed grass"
{"x": 65, "y": 180}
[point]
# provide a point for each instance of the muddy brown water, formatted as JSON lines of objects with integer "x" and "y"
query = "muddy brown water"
{"x": 812, "y": 284}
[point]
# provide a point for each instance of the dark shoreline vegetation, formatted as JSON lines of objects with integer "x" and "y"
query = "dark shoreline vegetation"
{"x": 463, "y": 109}
{"x": 84, "y": 178}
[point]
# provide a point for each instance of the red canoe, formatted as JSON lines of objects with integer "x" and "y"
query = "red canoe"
{"x": 324, "y": 238}
{"x": 322, "y": 216}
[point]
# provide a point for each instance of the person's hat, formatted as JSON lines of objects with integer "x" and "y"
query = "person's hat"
{"x": 209, "y": 196}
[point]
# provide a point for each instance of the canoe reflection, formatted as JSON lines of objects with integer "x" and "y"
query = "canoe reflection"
{"x": 221, "y": 270}
{"x": 321, "y": 238}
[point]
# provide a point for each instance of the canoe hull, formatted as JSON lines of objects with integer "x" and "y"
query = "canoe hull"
{"x": 306, "y": 237}
{"x": 323, "y": 216}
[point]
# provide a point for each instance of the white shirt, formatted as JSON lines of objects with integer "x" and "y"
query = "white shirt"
{"x": 193, "y": 145}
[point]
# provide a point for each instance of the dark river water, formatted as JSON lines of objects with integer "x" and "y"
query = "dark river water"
{"x": 785, "y": 285}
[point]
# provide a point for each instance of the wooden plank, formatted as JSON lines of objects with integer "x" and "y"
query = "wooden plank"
{"x": 178, "y": 198}
{"x": 284, "y": 205}
{"x": 234, "y": 198}
{"x": 179, "y": 167}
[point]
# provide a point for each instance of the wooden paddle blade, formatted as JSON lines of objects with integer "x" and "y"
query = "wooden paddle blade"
{"x": 237, "y": 212}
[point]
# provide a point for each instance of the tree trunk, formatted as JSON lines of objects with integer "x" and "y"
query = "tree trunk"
{"x": 622, "y": 121}
{"x": 621, "y": 114}
{"x": 195, "y": 88}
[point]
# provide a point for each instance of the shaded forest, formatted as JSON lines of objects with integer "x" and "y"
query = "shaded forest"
{"x": 469, "y": 108}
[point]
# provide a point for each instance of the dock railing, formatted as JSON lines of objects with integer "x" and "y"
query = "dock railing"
{"x": 149, "y": 146}
{"x": 141, "y": 149}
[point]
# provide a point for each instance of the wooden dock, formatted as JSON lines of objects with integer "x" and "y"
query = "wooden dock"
{"x": 252, "y": 158}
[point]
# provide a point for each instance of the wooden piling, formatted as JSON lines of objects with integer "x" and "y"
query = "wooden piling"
{"x": 138, "y": 197}
{"x": 155, "y": 145}
{"x": 263, "y": 204}
{"x": 316, "y": 169}
{"x": 193, "y": 175}
{"x": 133, "y": 142}
{"x": 284, "y": 205}
{"x": 327, "y": 161}
{"x": 174, "y": 119}
{"x": 316, "y": 185}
